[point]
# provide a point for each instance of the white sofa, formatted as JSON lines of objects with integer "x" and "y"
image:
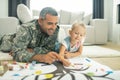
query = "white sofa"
{"x": 8, "y": 25}
{"x": 97, "y": 29}
{"x": 97, "y": 32}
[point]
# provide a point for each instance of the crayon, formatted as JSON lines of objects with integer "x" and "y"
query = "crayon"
{"x": 87, "y": 60}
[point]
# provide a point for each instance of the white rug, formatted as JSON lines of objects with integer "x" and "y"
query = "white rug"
{"x": 96, "y": 51}
{"x": 88, "y": 51}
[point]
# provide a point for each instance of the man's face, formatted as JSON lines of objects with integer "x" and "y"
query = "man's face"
{"x": 49, "y": 24}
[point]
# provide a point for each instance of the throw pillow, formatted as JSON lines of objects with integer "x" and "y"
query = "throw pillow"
{"x": 76, "y": 16}
{"x": 64, "y": 17}
{"x": 23, "y": 13}
{"x": 86, "y": 19}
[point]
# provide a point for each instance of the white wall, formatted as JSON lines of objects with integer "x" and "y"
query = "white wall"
{"x": 4, "y": 8}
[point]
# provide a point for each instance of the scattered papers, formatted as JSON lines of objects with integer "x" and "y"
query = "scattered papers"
{"x": 80, "y": 69}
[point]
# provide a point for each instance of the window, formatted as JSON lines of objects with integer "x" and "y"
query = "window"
{"x": 69, "y": 5}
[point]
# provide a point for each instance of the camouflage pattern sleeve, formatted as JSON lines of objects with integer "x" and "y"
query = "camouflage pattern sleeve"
{"x": 49, "y": 46}
{"x": 20, "y": 44}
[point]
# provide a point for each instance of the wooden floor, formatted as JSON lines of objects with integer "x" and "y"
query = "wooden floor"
{"x": 112, "y": 62}
{"x": 111, "y": 46}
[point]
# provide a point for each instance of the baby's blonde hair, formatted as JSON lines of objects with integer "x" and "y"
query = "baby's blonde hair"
{"x": 78, "y": 24}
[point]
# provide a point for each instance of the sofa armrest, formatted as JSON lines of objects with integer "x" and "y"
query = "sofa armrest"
{"x": 101, "y": 30}
{"x": 8, "y": 25}
{"x": 5, "y": 56}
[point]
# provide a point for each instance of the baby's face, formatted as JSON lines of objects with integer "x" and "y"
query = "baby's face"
{"x": 77, "y": 34}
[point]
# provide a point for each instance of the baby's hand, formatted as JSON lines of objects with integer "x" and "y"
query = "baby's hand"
{"x": 67, "y": 55}
{"x": 65, "y": 62}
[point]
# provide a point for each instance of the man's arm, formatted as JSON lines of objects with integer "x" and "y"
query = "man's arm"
{"x": 19, "y": 48}
{"x": 22, "y": 53}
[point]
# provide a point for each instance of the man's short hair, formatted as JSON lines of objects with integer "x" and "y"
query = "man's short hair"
{"x": 48, "y": 10}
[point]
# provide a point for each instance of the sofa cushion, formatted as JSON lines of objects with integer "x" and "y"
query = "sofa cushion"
{"x": 8, "y": 25}
{"x": 90, "y": 35}
{"x": 61, "y": 34}
{"x": 64, "y": 17}
{"x": 66, "y": 28}
{"x": 23, "y": 13}
{"x": 87, "y": 18}
{"x": 76, "y": 16}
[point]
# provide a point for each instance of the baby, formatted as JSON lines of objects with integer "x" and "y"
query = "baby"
{"x": 72, "y": 45}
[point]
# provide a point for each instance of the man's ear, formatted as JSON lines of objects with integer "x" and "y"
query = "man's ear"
{"x": 40, "y": 20}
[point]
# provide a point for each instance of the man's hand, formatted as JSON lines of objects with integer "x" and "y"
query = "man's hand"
{"x": 50, "y": 58}
{"x": 47, "y": 58}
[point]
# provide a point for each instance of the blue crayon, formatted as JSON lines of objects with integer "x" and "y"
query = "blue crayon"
{"x": 16, "y": 75}
{"x": 87, "y": 60}
{"x": 33, "y": 63}
{"x": 109, "y": 72}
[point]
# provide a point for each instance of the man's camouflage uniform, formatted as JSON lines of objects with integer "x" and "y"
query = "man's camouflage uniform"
{"x": 29, "y": 35}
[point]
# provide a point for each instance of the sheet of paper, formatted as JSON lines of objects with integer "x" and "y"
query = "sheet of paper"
{"x": 80, "y": 69}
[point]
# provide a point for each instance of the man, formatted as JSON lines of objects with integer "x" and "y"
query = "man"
{"x": 36, "y": 39}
